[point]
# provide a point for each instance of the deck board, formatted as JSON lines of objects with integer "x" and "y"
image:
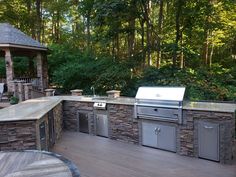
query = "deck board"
{"x": 31, "y": 164}
{"x": 101, "y": 157}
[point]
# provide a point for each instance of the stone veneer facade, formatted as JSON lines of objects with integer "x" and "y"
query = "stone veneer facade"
{"x": 21, "y": 135}
{"x": 123, "y": 126}
{"x": 17, "y": 135}
{"x": 58, "y": 121}
{"x": 70, "y": 114}
{"x": 188, "y": 133}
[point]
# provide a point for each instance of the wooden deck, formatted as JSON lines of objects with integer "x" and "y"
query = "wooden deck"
{"x": 101, "y": 157}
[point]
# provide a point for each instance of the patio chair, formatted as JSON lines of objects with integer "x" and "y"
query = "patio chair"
{"x": 1, "y": 90}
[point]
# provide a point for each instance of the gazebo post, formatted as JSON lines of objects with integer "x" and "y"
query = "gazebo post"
{"x": 39, "y": 61}
{"x": 9, "y": 69}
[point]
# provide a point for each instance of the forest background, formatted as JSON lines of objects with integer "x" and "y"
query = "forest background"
{"x": 124, "y": 44}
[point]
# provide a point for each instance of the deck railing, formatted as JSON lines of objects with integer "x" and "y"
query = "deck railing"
{"x": 35, "y": 82}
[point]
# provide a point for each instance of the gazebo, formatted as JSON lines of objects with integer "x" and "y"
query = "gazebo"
{"x": 14, "y": 43}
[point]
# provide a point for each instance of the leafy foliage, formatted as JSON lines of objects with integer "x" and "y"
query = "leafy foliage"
{"x": 122, "y": 44}
{"x": 83, "y": 71}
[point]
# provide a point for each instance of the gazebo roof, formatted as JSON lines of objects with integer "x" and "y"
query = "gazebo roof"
{"x": 12, "y": 37}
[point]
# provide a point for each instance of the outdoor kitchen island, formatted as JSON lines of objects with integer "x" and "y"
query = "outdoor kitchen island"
{"x": 38, "y": 124}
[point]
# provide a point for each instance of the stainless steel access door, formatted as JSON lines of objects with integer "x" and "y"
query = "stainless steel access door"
{"x": 208, "y": 140}
{"x": 149, "y": 136}
{"x": 159, "y": 136}
{"x": 102, "y": 124}
{"x": 166, "y": 137}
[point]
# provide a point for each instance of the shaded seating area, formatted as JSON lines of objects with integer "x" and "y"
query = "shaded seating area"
{"x": 14, "y": 43}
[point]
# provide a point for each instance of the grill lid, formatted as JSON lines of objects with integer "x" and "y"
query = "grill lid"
{"x": 160, "y": 93}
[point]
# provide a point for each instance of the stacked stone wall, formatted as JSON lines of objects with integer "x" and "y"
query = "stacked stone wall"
{"x": 188, "y": 133}
{"x": 18, "y": 135}
{"x": 70, "y": 113}
{"x": 123, "y": 126}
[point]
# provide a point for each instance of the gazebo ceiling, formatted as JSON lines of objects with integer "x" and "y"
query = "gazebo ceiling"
{"x": 16, "y": 40}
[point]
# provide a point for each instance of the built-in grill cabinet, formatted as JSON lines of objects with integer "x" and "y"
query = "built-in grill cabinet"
{"x": 159, "y": 103}
{"x": 160, "y": 109}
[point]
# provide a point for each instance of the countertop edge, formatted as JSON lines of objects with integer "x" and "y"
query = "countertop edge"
{"x": 54, "y": 101}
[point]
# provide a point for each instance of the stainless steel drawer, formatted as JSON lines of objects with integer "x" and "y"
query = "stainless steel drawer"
{"x": 158, "y": 112}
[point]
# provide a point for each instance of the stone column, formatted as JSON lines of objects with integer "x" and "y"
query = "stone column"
{"x": 21, "y": 93}
{"x": 39, "y": 61}
{"x": 42, "y": 70}
{"x": 76, "y": 92}
{"x": 28, "y": 90}
{"x": 50, "y": 92}
{"x": 45, "y": 71}
{"x": 9, "y": 69}
{"x": 113, "y": 93}
{"x": 14, "y": 88}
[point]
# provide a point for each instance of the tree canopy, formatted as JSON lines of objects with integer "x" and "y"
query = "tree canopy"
{"x": 125, "y": 43}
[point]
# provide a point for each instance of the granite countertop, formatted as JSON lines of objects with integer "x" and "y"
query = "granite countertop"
{"x": 210, "y": 106}
{"x": 29, "y": 110}
{"x": 36, "y": 108}
{"x": 120, "y": 100}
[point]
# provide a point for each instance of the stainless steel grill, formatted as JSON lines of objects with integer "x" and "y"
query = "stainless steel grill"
{"x": 161, "y": 103}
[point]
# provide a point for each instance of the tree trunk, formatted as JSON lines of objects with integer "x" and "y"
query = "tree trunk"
{"x": 57, "y": 35}
{"x": 160, "y": 24}
{"x": 131, "y": 34}
{"x": 131, "y": 37}
{"x": 117, "y": 46}
{"x": 177, "y": 28}
{"x": 211, "y": 54}
{"x": 38, "y": 23}
{"x": 205, "y": 48}
{"x": 148, "y": 31}
{"x": 88, "y": 31}
{"x": 142, "y": 44}
{"x": 181, "y": 51}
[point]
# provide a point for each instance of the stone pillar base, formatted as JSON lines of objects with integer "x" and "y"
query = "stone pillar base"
{"x": 113, "y": 93}
{"x": 50, "y": 92}
{"x": 76, "y": 92}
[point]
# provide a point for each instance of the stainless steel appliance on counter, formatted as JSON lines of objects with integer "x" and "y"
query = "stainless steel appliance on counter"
{"x": 160, "y": 103}
{"x": 160, "y": 109}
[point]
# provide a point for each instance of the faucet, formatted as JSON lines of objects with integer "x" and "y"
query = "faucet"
{"x": 93, "y": 89}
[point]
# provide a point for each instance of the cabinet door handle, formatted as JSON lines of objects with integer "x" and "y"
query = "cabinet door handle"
{"x": 208, "y": 127}
{"x": 155, "y": 130}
